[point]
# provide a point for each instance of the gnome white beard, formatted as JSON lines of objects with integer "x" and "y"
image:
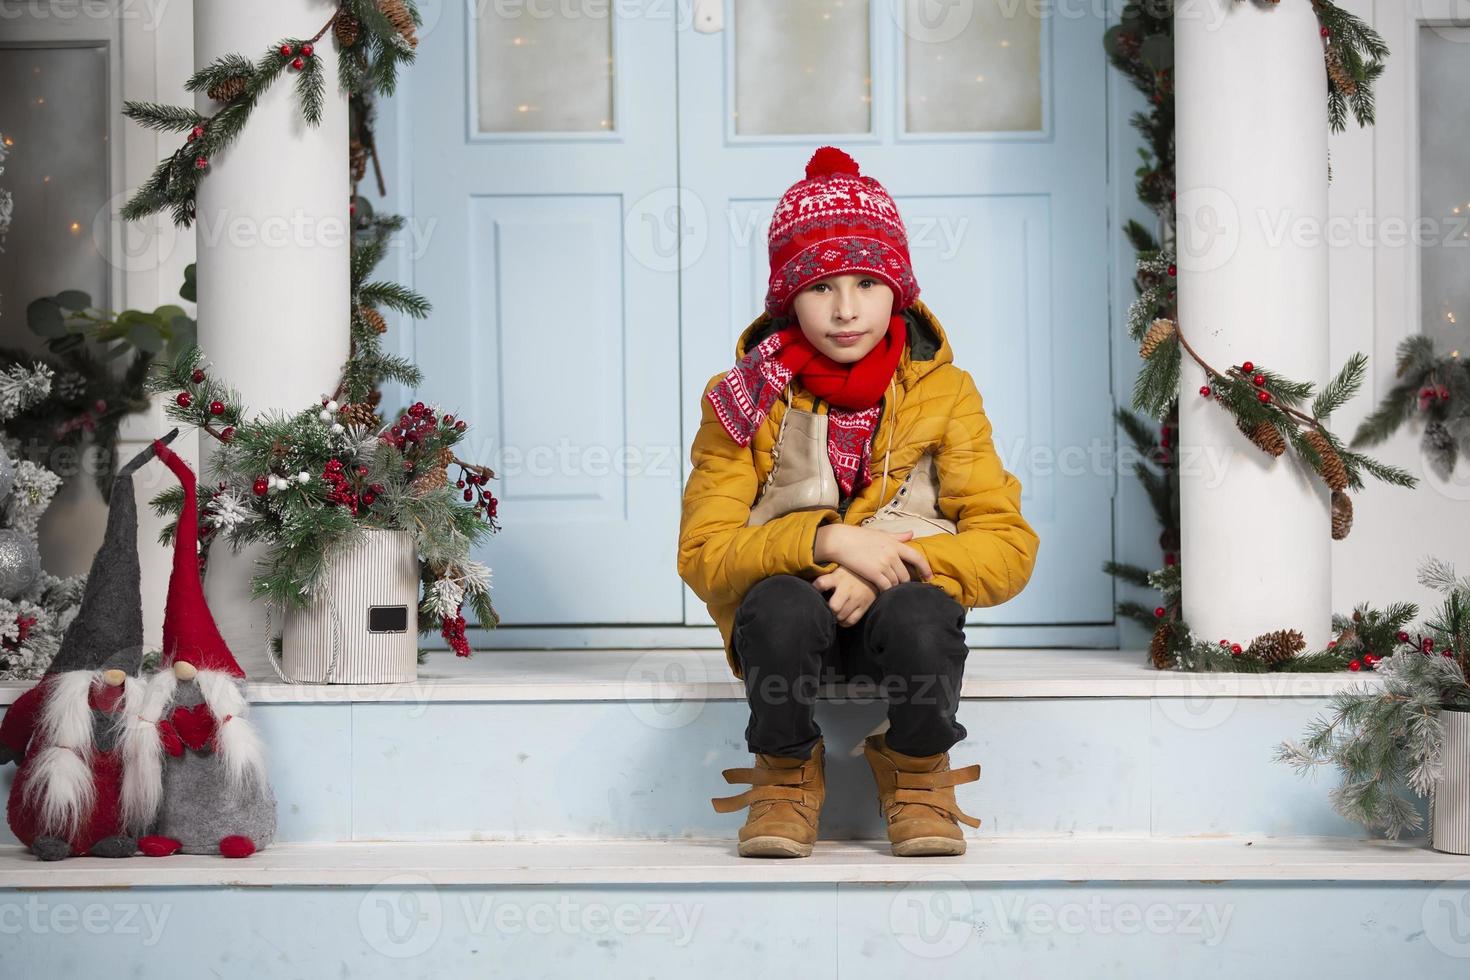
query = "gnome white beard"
{"x": 142, "y": 749}
{"x": 238, "y": 743}
{"x": 60, "y": 783}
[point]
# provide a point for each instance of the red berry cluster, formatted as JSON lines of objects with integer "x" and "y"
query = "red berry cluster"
{"x": 1428, "y": 395}
{"x": 1166, "y": 439}
{"x": 412, "y": 427}
{"x": 474, "y": 486}
{"x": 298, "y": 62}
{"x": 1425, "y": 644}
{"x": 346, "y": 490}
{"x": 24, "y": 624}
{"x": 452, "y": 629}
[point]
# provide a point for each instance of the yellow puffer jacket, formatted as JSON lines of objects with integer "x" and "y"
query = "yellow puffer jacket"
{"x": 934, "y": 406}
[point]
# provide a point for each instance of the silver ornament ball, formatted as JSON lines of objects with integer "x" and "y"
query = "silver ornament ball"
{"x": 20, "y": 564}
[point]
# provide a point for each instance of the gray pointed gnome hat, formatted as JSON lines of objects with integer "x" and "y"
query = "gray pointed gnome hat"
{"x": 107, "y": 632}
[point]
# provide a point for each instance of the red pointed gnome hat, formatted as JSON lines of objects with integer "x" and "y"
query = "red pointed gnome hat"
{"x": 189, "y": 630}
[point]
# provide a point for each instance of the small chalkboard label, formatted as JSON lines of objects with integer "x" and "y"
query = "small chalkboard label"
{"x": 387, "y": 619}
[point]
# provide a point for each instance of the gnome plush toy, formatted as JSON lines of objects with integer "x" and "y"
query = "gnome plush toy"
{"x": 192, "y": 747}
{"x": 69, "y": 796}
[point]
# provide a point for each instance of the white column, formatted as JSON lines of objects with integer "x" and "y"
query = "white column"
{"x": 1251, "y": 162}
{"x": 273, "y": 240}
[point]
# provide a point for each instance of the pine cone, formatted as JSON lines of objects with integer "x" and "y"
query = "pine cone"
{"x": 229, "y": 89}
{"x": 1267, "y": 437}
{"x": 358, "y": 415}
{"x": 397, "y": 13}
{"x": 347, "y": 28}
{"x": 1334, "y": 473}
{"x": 429, "y": 482}
{"x": 1342, "y": 515}
{"x": 1277, "y": 647}
{"x": 444, "y": 456}
{"x": 1341, "y": 77}
{"x": 1158, "y": 332}
{"x": 1159, "y": 650}
{"x": 374, "y": 319}
{"x": 357, "y": 157}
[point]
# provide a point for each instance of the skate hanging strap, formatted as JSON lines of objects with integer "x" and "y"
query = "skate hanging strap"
{"x": 936, "y": 789}
{"x": 767, "y": 785}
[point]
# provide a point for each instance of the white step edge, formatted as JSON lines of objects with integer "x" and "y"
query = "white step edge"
{"x": 703, "y": 675}
{"x": 710, "y": 861}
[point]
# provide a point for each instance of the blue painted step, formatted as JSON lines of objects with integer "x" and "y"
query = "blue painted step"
{"x": 545, "y": 745}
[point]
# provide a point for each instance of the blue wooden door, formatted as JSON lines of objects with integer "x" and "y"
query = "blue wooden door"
{"x": 990, "y": 132}
{"x": 591, "y": 192}
{"x": 542, "y": 149}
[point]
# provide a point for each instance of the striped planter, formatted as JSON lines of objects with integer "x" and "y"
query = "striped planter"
{"x": 1449, "y": 817}
{"x": 364, "y": 627}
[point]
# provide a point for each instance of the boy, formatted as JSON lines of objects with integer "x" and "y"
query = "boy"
{"x": 824, "y": 586}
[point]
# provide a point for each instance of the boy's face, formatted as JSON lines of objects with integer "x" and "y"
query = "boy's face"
{"x": 844, "y": 316}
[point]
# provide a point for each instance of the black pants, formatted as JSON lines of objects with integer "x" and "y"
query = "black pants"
{"x": 910, "y": 644}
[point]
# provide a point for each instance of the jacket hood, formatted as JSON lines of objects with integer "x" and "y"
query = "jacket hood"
{"x": 927, "y": 347}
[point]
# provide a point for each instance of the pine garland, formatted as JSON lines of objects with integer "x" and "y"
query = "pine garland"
{"x": 305, "y": 485}
{"x": 379, "y": 45}
{"x": 1267, "y": 406}
{"x": 1361, "y": 641}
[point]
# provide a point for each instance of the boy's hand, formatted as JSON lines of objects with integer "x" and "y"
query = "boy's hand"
{"x": 851, "y": 594}
{"x": 878, "y": 556}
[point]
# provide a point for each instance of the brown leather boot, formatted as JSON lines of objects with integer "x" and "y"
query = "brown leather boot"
{"x": 916, "y": 796}
{"x": 785, "y": 801}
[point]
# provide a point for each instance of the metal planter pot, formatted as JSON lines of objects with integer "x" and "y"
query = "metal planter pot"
{"x": 1449, "y": 818}
{"x": 363, "y": 627}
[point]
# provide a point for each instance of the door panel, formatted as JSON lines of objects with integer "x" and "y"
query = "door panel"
{"x": 543, "y": 160}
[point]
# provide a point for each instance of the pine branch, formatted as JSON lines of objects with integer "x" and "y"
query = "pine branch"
{"x": 1343, "y": 387}
{"x": 394, "y": 297}
{"x": 163, "y": 118}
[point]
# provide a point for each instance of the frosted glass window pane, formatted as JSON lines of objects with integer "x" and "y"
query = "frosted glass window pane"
{"x": 1444, "y": 189}
{"x": 544, "y": 67}
{"x": 54, "y": 117}
{"x": 980, "y": 73}
{"x": 802, "y": 67}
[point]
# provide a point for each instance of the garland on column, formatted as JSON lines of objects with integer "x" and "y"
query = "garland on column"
{"x": 373, "y": 37}
{"x": 1266, "y": 405}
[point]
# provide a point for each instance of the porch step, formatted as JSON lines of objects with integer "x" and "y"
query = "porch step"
{"x": 715, "y": 861}
{"x": 591, "y": 745}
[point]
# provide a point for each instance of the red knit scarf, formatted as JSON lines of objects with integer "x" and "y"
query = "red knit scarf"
{"x": 745, "y": 395}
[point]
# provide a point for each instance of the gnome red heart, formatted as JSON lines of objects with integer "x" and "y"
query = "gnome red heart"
{"x": 172, "y": 744}
{"x": 195, "y": 725}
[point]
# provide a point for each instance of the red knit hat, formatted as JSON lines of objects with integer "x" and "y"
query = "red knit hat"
{"x": 837, "y": 221}
{"x": 189, "y": 630}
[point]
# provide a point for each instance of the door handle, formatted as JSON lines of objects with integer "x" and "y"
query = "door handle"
{"x": 709, "y": 16}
